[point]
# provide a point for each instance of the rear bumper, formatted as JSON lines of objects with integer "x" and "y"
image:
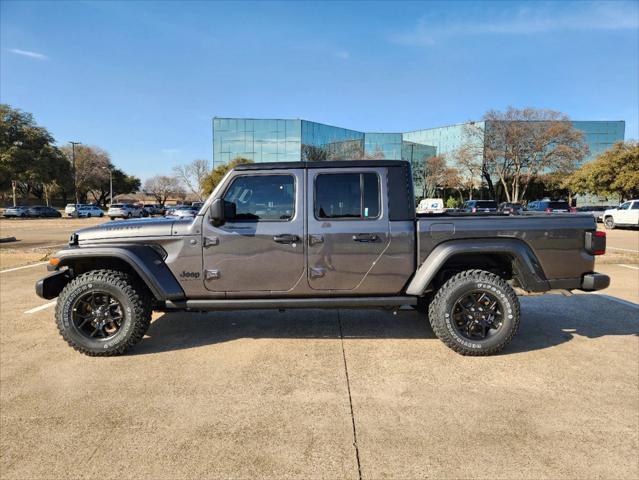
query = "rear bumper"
{"x": 595, "y": 281}
{"x": 590, "y": 282}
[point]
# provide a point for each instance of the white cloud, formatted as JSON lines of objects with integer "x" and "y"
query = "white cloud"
{"x": 27, "y": 53}
{"x": 529, "y": 20}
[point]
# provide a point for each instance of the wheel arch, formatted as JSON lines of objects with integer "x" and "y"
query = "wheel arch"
{"x": 509, "y": 257}
{"x": 142, "y": 261}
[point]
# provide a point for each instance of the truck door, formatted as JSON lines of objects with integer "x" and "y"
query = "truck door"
{"x": 261, "y": 245}
{"x": 348, "y": 226}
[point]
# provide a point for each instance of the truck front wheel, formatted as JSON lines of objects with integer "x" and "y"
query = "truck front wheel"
{"x": 475, "y": 313}
{"x": 103, "y": 312}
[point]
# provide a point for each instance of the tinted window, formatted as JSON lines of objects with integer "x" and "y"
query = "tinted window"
{"x": 625, "y": 206}
{"x": 486, "y": 204}
{"x": 635, "y": 206}
{"x": 347, "y": 195}
{"x": 559, "y": 205}
{"x": 262, "y": 197}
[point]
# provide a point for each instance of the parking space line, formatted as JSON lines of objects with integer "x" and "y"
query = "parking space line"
{"x": 628, "y": 266}
{"x": 41, "y": 307}
{"x": 622, "y": 249}
{"x": 24, "y": 266}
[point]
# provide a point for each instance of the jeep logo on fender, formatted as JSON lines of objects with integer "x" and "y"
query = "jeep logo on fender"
{"x": 189, "y": 275}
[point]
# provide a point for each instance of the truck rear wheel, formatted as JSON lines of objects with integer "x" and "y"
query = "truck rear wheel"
{"x": 103, "y": 312}
{"x": 475, "y": 313}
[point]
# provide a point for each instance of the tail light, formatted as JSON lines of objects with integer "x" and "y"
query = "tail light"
{"x": 574, "y": 210}
{"x": 548, "y": 210}
{"x": 596, "y": 242}
{"x": 474, "y": 210}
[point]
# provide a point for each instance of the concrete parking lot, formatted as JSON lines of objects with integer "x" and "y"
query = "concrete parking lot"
{"x": 322, "y": 394}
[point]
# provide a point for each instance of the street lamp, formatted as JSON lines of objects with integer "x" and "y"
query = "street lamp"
{"x": 75, "y": 187}
{"x": 110, "y": 183}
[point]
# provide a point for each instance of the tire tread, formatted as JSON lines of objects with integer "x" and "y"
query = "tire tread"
{"x": 436, "y": 313}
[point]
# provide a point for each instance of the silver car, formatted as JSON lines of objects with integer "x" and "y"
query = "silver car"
{"x": 123, "y": 210}
{"x": 88, "y": 211}
{"x": 18, "y": 211}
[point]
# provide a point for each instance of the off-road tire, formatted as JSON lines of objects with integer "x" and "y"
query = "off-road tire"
{"x": 136, "y": 302}
{"x": 609, "y": 223}
{"x": 439, "y": 312}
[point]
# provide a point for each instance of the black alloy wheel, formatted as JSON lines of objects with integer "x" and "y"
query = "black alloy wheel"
{"x": 97, "y": 315}
{"x": 477, "y": 315}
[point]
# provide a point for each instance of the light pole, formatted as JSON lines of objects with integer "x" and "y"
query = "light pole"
{"x": 75, "y": 187}
{"x": 110, "y": 183}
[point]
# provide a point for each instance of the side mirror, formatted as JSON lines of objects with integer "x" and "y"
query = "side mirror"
{"x": 216, "y": 212}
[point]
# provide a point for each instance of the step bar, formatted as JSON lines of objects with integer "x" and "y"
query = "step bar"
{"x": 286, "y": 303}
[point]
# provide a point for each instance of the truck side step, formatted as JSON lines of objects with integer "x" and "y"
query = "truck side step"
{"x": 284, "y": 303}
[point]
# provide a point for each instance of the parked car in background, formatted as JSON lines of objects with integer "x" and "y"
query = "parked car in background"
{"x": 71, "y": 208}
{"x": 154, "y": 209}
{"x": 197, "y": 205}
{"x": 510, "y": 208}
{"x": 625, "y": 215}
{"x": 431, "y": 205}
{"x": 596, "y": 211}
{"x": 43, "y": 211}
{"x": 124, "y": 210}
{"x": 18, "y": 211}
{"x": 184, "y": 211}
{"x": 549, "y": 206}
{"x": 478, "y": 206}
{"x": 87, "y": 211}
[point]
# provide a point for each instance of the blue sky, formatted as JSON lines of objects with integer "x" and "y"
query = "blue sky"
{"x": 143, "y": 80}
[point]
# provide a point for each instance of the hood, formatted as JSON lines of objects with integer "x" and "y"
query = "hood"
{"x": 144, "y": 227}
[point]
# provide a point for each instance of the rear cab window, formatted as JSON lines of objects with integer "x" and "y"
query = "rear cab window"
{"x": 347, "y": 196}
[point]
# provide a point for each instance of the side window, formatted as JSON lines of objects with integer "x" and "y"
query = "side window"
{"x": 625, "y": 206}
{"x": 347, "y": 195}
{"x": 261, "y": 197}
{"x": 635, "y": 206}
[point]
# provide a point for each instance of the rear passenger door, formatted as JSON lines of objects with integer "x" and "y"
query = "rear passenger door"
{"x": 348, "y": 226}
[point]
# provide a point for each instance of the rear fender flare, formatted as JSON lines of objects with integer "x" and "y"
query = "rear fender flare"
{"x": 525, "y": 263}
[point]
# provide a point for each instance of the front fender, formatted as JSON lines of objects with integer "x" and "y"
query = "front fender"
{"x": 526, "y": 266}
{"x": 142, "y": 259}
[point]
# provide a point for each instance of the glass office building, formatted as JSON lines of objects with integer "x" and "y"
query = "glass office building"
{"x": 277, "y": 140}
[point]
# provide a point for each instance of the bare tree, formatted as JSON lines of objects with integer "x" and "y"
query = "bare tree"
{"x": 161, "y": 187}
{"x": 469, "y": 168}
{"x": 92, "y": 166}
{"x": 434, "y": 175}
{"x": 522, "y": 144}
{"x": 193, "y": 175}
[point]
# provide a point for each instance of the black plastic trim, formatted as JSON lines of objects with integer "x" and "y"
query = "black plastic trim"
{"x": 595, "y": 281}
{"x": 271, "y": 303}
{"x": 527, "y": 268}
{"x": 146, "y": 262}
{"x": 50, "y": 286}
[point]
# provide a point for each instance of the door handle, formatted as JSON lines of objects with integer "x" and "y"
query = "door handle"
{"x": 286, "y": 238}
{"x": 365, "y": 237}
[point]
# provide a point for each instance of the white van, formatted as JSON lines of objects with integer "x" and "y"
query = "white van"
{"x": 431, "y": 205}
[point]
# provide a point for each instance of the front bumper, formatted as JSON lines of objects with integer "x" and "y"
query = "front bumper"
{"x": 595, "y": 281}
{"x": 50, "y": 286}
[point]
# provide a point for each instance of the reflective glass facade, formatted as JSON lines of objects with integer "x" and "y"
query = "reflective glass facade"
{"x": 276, "y": 140}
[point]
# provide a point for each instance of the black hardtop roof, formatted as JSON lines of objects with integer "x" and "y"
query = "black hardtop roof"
{"x": 326, "y": 164}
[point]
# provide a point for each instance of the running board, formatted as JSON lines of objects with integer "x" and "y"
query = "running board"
{"x": 284, "y": 303}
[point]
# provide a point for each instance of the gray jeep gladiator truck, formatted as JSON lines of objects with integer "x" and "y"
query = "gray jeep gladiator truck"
{"x": 335, "y": 234}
